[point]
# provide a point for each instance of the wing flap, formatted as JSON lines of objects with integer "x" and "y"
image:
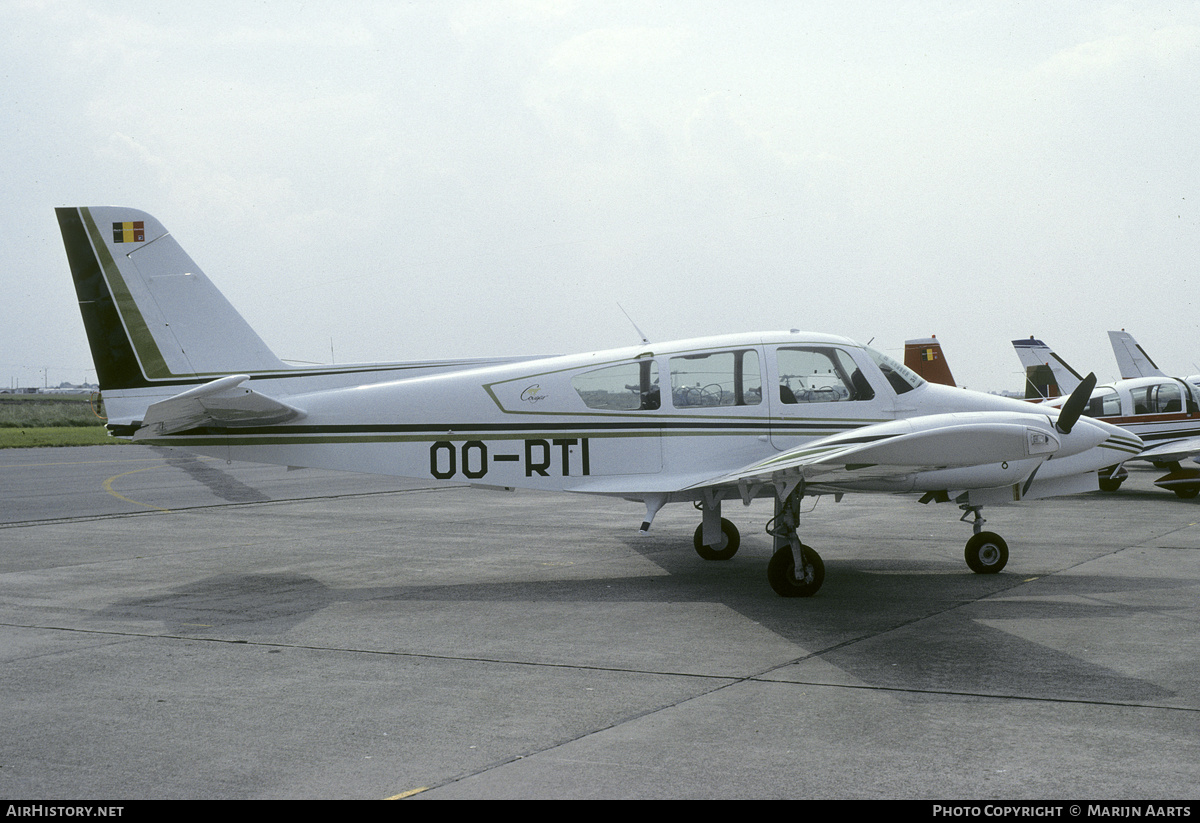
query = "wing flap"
{"x": 222, "y": 402}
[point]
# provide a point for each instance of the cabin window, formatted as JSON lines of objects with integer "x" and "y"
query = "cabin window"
{"x": 1162, "y": 398}
{"x": 727, "y": 378}
{"x": 626, "y": 387}
{"x": 1103, "y": 403}
{"x": 820, "y": 375}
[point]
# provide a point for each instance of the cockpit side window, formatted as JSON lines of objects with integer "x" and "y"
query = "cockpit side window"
{"x": 727, "y": 378}
{"x": 818, "y": 374}
{"x": 1105, "y": 402}
{"x": 624, "y": 387}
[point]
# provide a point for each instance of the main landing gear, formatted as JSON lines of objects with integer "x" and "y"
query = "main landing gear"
{"x": 715, "y": 538}
{"x": 724, "y": 548}
{"x": 1112, "y": 477}
{"x": 795, "y": 570}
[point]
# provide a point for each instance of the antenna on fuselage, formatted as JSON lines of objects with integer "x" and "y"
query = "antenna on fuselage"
{"x": 641, "y": 333}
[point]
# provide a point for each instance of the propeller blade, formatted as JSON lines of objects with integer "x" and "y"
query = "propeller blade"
{"x": 1069, "y": 416}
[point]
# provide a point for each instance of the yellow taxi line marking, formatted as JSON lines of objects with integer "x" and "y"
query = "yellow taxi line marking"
{"x": 408, "y": 793}
{"x": 108, "y": 488}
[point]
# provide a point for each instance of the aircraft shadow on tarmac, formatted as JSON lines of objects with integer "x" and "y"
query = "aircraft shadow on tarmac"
{"x": 904, "y": 625}
{"x": 221, "y": 483}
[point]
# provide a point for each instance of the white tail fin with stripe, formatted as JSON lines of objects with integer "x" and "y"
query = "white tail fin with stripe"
{"x": 151, "y": 314}
{"x": 1132, "y": 359}
{"x": 1046, "y": 374}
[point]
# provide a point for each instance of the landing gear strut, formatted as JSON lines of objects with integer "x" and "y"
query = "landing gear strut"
{"x": 986, "y": 552}
{"x": 795, "y": 570}
{"x": 725, "y": 549}
{"x": 715, "y": 538}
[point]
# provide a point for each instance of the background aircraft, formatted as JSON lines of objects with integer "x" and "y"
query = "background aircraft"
{"x": 924, "y": 356}
{"x": 1133, "y": 361}
{"x": 1046, "y": 374}
{"x": 1163, "y": 411}
{"x": 779, "y": 415}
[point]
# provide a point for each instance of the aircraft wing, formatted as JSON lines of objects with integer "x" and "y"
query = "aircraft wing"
{"x": 890, "y": 456}
{"x": 223, "y": 402}
{"x": 1173, "y": 451}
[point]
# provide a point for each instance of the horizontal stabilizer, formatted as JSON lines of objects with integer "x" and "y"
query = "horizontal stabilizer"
{"x": 223, "y": 402}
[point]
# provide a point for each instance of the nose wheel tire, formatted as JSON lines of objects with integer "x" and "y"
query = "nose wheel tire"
{"x": 781, "y": 573}
{"x": 986, "y": 553}
{"x": 730, "y": 542}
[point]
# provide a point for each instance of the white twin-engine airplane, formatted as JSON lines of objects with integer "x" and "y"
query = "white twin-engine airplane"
{"x": 779, "y": 415}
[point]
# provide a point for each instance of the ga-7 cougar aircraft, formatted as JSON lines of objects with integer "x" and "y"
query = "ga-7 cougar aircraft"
{"x": 777, "y": 415}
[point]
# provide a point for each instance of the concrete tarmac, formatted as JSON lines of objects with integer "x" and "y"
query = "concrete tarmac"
{"x": 178, "y": 627}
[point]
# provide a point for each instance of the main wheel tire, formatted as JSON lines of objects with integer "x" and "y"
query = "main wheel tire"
{"x": 781, "y": 573}
{"x": 986, "y": 553}
{"x": 1110, "y": 485}
{"x": 732, "y": 541}
{"x": 1187, "y": 492}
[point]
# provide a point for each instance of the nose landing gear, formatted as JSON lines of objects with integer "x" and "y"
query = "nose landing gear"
{"x": 986, "y": 552}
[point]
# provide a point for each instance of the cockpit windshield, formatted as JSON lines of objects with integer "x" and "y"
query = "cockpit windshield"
{"x": 901, "y": 378}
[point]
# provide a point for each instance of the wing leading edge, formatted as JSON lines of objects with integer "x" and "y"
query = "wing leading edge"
{"x": 963, "y": 450}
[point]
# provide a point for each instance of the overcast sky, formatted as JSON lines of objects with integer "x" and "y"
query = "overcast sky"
{"x": 387, "y": 181}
